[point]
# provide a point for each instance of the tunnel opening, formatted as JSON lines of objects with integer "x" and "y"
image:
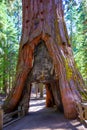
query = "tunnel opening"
{"x": 42, "y": 72}
{"x": 42, "y": 99}
{"x": 37, "y": 97}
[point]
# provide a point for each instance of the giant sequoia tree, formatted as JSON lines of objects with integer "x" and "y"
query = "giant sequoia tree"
{"x": 45, "y": 56}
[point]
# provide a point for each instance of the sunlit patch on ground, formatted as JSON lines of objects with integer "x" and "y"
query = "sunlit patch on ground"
{"x": 40, "y": 105}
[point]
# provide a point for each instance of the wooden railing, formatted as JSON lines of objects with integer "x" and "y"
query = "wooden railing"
{"x": 82, "y": 112}
{"x": 7, "y": 119}
{"x": 1, "y": 118}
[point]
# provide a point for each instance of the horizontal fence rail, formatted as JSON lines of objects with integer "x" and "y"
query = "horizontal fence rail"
{"x": 7, "y": 119}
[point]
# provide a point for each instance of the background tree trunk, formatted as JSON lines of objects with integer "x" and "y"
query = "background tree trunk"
{"x": 44, "y": 27}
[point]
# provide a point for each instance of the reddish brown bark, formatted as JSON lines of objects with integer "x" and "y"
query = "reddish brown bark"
{"x": 49, "y": 96}
{"x": 44, "y": 21}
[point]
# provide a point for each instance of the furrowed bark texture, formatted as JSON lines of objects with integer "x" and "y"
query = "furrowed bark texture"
{"x": 45, "y": 55}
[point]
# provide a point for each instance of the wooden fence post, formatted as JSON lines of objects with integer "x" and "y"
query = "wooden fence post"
{"x": 19, "y": 111}
{"x": 23, "y": 111}
{"x": 1, "y": 118}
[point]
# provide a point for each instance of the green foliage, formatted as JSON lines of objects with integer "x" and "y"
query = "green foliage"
{"x": 8, "y": 47}
{"x": 81, "y": 47}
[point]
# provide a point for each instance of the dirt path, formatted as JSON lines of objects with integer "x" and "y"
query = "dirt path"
{"x": 41, "y": 118}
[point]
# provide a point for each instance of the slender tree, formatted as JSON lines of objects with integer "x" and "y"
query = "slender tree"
{"x": 45, "y": 55}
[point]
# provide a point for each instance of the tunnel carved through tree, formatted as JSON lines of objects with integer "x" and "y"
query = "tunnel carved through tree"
{"x": 45, "y": 55}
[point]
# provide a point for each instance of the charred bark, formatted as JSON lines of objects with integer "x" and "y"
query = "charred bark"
{"x": 43, "y": 23}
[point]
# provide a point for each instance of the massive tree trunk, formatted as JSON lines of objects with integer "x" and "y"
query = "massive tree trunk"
{"x": 45, "y": 56}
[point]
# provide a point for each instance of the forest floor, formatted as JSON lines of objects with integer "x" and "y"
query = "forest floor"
{"x": 42, "y": 118}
